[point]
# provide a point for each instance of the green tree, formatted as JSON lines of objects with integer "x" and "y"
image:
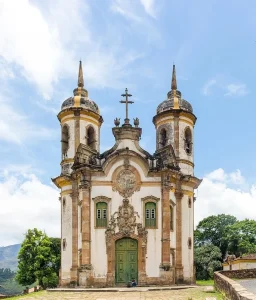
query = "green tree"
{"x": 213, "y": 230}
{"x": 38, "y": 259}
{"x": 56, "y": 249}
{"x": 241, "y": 237}
{"x": 207, "y": 261}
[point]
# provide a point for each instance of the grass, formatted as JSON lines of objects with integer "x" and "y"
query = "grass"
{"x": 209, "y": 282}
{"x": 34, "y": 295}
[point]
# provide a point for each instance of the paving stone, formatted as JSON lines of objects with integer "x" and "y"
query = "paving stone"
{"x": 196, "y": 293}
{"x": 209, "y": 289}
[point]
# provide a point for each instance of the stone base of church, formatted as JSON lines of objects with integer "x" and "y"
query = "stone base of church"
{"x": 85, "y": 277}
{"x": 167, "y": 276}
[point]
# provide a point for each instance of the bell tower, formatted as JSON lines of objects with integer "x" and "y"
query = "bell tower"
{"x": 80, "y": 122}
{"x": 174, "y": 123}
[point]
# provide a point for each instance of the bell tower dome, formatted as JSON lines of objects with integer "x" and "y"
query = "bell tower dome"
{"x": 80, "y": 122}
{"x": 174, "y": 122}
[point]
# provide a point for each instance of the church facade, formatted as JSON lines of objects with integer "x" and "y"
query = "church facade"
{"x": 125, "y": 213}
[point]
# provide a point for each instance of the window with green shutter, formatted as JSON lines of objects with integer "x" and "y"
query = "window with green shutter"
{"x": 150, "y": 214}
{"x": 101, "y": 214}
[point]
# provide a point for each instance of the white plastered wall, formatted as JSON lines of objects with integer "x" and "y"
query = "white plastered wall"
{"x": 98, "y": 246}
{"x": 66, "y": 255}
{"x": 187, "y": 231}
{"x": 240, "y": 265}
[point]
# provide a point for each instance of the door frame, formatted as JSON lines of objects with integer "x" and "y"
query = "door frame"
{"x": 111, "y": 258}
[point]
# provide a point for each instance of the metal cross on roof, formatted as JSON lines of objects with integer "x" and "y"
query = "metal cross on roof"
{"x": 126, "y": 101}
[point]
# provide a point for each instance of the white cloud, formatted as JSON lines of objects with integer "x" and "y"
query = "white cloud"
{"x": 217, "y": 194}
{"x": 136, "y": 13}
{"x": 15, "y": 127}
{"x": 208, "y": 85}
{"x": 220, "y": 175}
{"x": 5, "y": 70}
{"x": 50, "y": 39}
{"x": 236, "y": 90}
{"x": 149, "y": 7}
{"x": 126, "y": 9}
{"x": 230, "y": 89}
{"x": 30, "y": 43}
{"x": 27, "y": 203}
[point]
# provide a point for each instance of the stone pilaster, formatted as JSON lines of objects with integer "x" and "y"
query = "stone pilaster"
{"x": 73, "y": 270}
{"x": 165, "y": 225}
{"x": 86, "y": 267}
{"x": 166, "y": 272}
{"x": 179, "y": 266}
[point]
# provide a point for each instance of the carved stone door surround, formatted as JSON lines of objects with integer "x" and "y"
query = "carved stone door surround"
{"x": 123, "y": 223}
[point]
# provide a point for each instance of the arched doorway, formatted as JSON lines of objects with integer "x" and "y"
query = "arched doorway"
{"x": 126, "y": 260}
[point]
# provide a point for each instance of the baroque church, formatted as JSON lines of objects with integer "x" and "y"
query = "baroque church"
{"x": 126, "y": 213}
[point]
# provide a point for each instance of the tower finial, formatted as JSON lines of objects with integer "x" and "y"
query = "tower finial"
{"x": 174, "y": 81}
{"x": 80, "y": 82}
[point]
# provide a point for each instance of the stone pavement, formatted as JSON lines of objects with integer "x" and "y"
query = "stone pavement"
{"x": 184, "y": 294}
{"x": 249, "y": 284}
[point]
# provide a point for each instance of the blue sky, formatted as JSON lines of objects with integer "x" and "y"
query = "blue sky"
{"x": 123, "y": 44}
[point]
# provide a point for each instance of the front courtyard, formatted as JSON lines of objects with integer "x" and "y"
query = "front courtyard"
{"x": 196, "y": 293}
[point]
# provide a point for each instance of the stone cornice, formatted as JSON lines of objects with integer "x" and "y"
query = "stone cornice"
{"x": 176, "y": 112}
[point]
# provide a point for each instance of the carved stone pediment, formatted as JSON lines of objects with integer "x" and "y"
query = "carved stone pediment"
{"x": 126, "y": 180}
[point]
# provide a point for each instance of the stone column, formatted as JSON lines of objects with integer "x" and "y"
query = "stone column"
{"x": 73, "y": 270}
{"x": 86, "y": 267}
{"x": 179, "y": 267}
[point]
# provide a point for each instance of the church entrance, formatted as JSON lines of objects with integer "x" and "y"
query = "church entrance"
{"x": 126, "y": 260}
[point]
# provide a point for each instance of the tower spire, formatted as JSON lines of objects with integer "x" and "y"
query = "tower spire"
{"x": 174, "y": 81}
{"x": 80, "y": 82}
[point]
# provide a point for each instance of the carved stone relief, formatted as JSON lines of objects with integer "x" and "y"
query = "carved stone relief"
{"x": 125, "y": 220}
{"x": 66, "y": 168}
{"x": 126, "y": 180}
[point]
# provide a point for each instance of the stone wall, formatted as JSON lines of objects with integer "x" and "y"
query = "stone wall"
{"x": 230, "y": 288}
{"x": 240, "y": 274}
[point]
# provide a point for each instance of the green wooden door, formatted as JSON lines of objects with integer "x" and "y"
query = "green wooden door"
{"x": 126, "y": 260}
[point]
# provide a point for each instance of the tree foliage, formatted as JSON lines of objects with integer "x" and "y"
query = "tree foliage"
{"x": 213, "y": 230}
{"x": 225, "y": 233}
{"x": 38, "y": 259}
{"x": 241, "y": 237}
{"x": 207, "y": 261}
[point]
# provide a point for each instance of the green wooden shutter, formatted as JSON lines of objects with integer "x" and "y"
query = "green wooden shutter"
{"x": 150, "y": 214}
{"x": 101, "y": 214}
{"x": 171, "y": 217}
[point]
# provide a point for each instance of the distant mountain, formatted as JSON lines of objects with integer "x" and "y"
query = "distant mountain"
{"x": 8, "y": 256}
